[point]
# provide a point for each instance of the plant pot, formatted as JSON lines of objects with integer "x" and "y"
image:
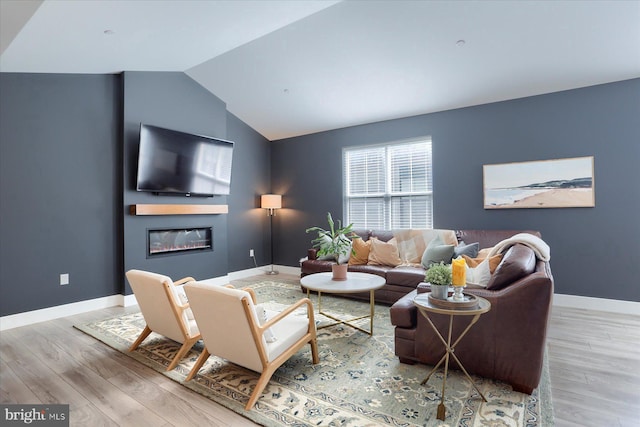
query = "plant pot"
{"x": 339, "y": 271}
{"x": 439, "y": 291}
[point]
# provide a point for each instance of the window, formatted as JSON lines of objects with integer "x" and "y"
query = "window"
{"x": 389, "y": 186}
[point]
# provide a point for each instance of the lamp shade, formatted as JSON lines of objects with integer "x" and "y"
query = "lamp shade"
{"x": 271, "y": 201}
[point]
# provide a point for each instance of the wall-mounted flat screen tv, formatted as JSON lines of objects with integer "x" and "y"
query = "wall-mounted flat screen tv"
{"x": 173, "y": 162}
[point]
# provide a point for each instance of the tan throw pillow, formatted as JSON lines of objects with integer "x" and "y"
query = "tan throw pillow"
{"x": 494, "y": 261}
{"x": 361, "y": 254}
{"x": 384, "y": 253}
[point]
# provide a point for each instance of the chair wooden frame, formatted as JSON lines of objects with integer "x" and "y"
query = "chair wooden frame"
{"x": 178, "y": 309}
{"x": 257, "y": 331}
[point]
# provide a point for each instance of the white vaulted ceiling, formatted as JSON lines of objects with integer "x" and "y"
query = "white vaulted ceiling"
{"x": 290, "y": 68}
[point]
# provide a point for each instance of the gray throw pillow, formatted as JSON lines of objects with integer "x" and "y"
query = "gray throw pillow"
{"x": 437, "y": 252}
{"x": 470, "y": 250}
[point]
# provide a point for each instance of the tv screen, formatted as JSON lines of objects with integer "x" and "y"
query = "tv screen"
{"x": 176, "y": 162}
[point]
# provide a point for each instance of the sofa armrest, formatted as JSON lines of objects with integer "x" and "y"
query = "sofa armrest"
{"x": 404, "y": 312}
{"x": 312, "y": 254}
{"x": 540, "y": 278}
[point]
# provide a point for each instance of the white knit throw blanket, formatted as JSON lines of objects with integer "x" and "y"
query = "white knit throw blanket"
{"x": 538, "y": 245}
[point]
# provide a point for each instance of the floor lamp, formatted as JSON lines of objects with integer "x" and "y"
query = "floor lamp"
{"x": 271, "y": 202}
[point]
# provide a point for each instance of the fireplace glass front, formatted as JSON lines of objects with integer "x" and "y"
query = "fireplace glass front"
{"x": 172, "y": 241}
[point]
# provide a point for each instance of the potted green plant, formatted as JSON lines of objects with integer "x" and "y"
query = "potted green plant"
{"x": 336, "y": 243}
{"x": 439, "y": 278}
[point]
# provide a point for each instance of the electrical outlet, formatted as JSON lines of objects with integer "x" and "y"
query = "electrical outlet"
{"x": 251, "y": 253}
{"x": 64, "y": 279}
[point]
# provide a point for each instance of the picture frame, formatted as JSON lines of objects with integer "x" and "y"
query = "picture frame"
{"x": 556, "y": 183}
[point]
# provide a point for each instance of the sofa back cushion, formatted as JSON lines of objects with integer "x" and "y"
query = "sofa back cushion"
{"x": 363, "y": 233}
{"x": 517, "y": 262}
{"x": 382, "y": 235}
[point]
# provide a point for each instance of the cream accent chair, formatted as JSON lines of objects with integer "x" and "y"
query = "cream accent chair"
{"x": 231, "y": 329}
{"x": 163, "y": 310}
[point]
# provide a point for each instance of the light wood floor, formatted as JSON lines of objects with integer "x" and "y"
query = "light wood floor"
{"x": 594, "y": 362}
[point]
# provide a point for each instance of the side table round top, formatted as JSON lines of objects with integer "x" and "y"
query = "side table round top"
{"x": 356, "y": 282}
{"x": 423, "y": 303}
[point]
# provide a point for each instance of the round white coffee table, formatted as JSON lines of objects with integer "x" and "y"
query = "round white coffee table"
{"x": 356, "y": 282}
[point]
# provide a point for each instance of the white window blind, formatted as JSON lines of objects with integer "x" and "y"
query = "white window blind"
{"x": 389, "y": 186}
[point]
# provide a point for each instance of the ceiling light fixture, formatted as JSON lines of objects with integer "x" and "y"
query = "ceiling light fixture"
{"x": 460, "y": 43}
{"x": 109, "y": 32}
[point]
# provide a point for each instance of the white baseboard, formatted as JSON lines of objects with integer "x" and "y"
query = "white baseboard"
{"x": 599, "y": 304}
{"x": 50, "y": 313}
{"x": 243, "y": 274}
{"x": 42, "y": 315}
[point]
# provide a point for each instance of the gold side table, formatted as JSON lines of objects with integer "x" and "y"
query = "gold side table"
{"x": 426, "y": 307}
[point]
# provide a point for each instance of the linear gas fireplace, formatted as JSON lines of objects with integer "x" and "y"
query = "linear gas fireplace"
{"x": 170, "y": 241}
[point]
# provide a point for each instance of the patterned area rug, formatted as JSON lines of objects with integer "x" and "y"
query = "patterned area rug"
{"x": 358, "y": 382}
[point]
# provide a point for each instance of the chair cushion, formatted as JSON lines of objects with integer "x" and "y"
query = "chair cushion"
{"x": 289, "y": 330}
{"x": 192, "y": 326}
{"x": 263, "y": 317}
{"x": 179, "y": 290}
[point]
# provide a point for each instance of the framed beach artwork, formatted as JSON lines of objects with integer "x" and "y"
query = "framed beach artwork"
{"x": 558, "y": 183}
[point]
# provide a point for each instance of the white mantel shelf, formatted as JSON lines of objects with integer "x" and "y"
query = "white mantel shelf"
{"x": 178, "y": 209}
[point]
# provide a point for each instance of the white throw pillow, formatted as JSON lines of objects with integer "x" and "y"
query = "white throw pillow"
{"x": 479, "y": 275}
{"x": 261, "y": 314}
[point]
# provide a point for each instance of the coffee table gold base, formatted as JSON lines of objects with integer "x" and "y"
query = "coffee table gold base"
{"x": 348, "y": 322}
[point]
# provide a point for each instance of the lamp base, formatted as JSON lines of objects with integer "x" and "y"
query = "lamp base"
{"x": 272, "y": 272}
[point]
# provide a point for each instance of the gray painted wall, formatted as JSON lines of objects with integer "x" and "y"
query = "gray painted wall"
{"x": 68, "y": 147}
{"x": 59, "y": 189}
{"x": 589, "y": 246}
{"x": 174, "y": 101}
{"x": 68, "y": 159}
{"x": 248, "y": 224}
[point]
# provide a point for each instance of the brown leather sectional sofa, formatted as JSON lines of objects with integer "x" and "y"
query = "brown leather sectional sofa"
{"x": 402, "y": 279}
{"x": 507, "y": 343}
